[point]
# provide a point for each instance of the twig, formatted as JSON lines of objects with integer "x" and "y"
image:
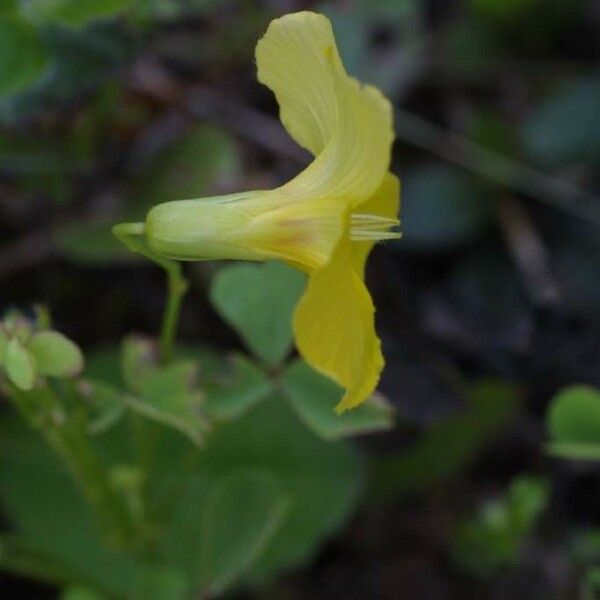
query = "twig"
{"x": 527, "y": 249}
{"x": 503, "y": 170}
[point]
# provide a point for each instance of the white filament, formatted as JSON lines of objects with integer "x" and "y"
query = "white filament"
{"x": 365, "y": 227}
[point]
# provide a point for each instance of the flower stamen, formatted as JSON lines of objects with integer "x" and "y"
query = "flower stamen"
{"x": 365, "y": 227}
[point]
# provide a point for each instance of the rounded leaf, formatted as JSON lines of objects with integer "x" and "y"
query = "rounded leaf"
{"x": 257, "y": 301}
{"x": 231, "y": 545}
{"x": 55, "y": 354}
{"x": 314, "y": 396}
{"x": 574, "y": 423}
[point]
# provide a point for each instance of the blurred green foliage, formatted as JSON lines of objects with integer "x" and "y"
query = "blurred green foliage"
{"x": 494, "y": 537}
{"x": 22, "y": 55}
{"x": 251, "y": 499}
{"x": 449, "y": 446}
{"x": 73, "y": 13}
{"x": 28, "y": 352}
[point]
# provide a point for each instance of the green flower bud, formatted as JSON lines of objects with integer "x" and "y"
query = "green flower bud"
{"x": 20, "y": 366}
{"x": 55, "y": 355}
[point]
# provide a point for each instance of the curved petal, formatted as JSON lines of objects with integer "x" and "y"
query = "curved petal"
{"x": 347, "y": 125}
{"x": 384, "y": 203}
{"x": 335, "y": 331}
{"x": 292, "y": 61}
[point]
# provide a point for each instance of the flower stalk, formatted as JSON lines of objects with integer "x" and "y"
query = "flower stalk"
{"x": 132, "y": 235}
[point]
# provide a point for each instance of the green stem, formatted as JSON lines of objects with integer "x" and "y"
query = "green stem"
{"x": 132, "y": 235}
{"x": 176, "y": 289}
{"x": 66, "y": 434}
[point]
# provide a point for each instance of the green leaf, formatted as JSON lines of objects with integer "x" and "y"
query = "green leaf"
{"x": 321, "y": 479}
{"x": 159, "y": 583}
{"x": 442, "y": 208}
{"x": 74, "y": 13}
{"x": 565, "y": 128}
{"x": 573, "y": 423}
{"x": 241, "y": 515}
{"x": 77, "y": 592}
{"x": 55, "y": 355}
{"x": 239, "y": 387}
{"x": 22, "y": 56}
{"x": 257, "y": 301}
{"x": 314, "y": 397}
{"x": 107, "y": 404}
{"x": 8, "y": 7}
{"x": 169, "y": 396}
{"x": 48, "y": 512}
{"x": 19, "y": 556}
{"x": 19, "y": 365}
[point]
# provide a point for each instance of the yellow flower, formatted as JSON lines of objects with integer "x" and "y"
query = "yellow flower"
{"x": 324, "y": 221}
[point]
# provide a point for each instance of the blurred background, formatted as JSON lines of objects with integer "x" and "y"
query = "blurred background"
{"x": 488, "y": 306}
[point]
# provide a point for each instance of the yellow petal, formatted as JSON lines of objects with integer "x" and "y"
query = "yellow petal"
{"x": 335, "y": 331}
{"x": 292, "y": 61}
{"x": 346, "y": 125}
{"x": 385, "y": 203}
{"x": 303, "y": 234}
